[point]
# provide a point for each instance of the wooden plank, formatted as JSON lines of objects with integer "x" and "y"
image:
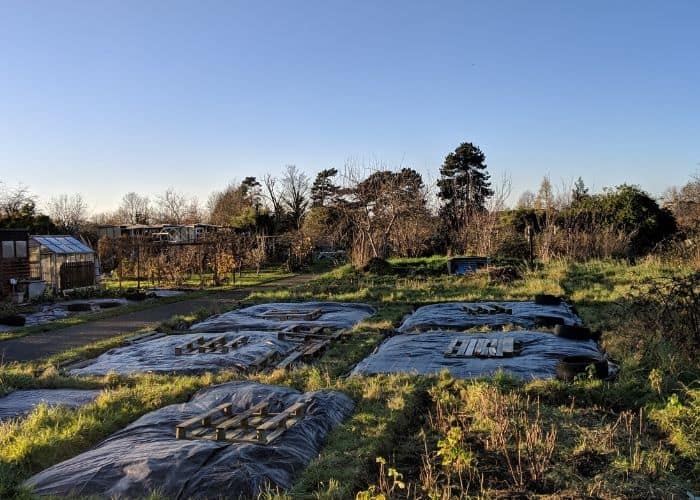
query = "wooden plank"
{"x": 274, "y": 435}
{"x": 463, "y": 348}
{"x": 480, "y": 349}
{"x": 452, "y": 347}
{"x": 212, "y": 344}
{"x": 469, "y": 351}
{"x": 274, "y": 427}
{"x": 315, "y": 348}
{"x": 203, "y": 419}
{"x": 239, "y": 341}
{"x": 499, "y": 348}
{"x": 293, "y": 315}
{"x": 240, "y": 420}
{"x": 188, "y": 346}
{"x": 289, "y": 360}
{"x": 263, "y": 360}
{"x": 508, "y": 346}
{"x": 492, "y": 347}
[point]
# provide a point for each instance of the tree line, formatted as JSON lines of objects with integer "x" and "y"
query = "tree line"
{"x": 378, "y": 212}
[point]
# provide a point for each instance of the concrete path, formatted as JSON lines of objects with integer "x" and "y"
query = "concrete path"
{"x": 41, "y": 345}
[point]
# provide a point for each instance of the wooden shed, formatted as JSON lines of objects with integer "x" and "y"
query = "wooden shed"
{"x": 63, "y": 262}
{"x": 14, "y": 261}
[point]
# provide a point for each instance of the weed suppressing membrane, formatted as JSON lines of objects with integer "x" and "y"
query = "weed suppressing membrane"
{"x": 268, "y": 434}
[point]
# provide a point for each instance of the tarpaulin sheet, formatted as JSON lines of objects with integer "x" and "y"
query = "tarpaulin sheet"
{"x": 334, "y": 314}
{"x": 424, "y": 353}
{"x": 145, "y": 456}
{"x": 158, "y": 355}
{"x": 20, "y": 403}
{"x": 452, "y": 316}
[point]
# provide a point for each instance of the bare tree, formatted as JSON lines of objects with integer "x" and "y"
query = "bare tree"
{"x": 134, "y": 209}
{"x": 486, "y": 232}
{"x": 171, "y": 206}
{"x": 273, "y": 196}
{"x": 69, "y": 213}
{"x": 194, "y": 212}
{"x": 295, "y": 193}
{"x": 526, "y": 200}
{"x": 13, "y": 200}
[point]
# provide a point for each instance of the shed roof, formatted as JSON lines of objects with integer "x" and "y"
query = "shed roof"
{"x": 63, "y": 244}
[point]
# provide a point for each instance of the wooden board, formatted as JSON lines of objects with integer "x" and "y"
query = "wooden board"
{"x": 454, "y": 347}
{"x": 201, "y": 420}
{"x": 255, "y": 424}
{"x": 189, "y": 346}
{"x": 292, "y": 315}
{"x": 212, "y": 344}
{"x": 480, "y": 347}
{"x": 289, "y": 360}
{"x": 508, "y": 346}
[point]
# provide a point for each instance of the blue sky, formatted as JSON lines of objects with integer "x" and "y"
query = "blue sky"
{"x": 103, "y": 97}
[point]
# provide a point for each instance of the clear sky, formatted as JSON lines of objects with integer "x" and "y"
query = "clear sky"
{"x": 104, "y": 97}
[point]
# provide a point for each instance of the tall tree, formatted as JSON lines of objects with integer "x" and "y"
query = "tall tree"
{"x": 272, "y": 194}
{"x": 545, "y": 195}
{"x": 580, "y": 191}
{"x": 295, "y": 193}
{"x": 69, "y": 213}
{"x": 464, "y": 186}
{"x": 382, "y": 208}
{"x": 171, "y": 206}
{"x": 233, "y": 206}
{"x": 134, "y": 209}
{"x": 323, "y": 190}
{"x": 18, "y": 210}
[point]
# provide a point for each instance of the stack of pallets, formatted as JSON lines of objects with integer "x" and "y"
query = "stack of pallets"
{"x": 487, "y": 309}
{"x": 292, "y": 314}
{"x": 218, "y": 345}
{"x": 254, "y": 425}
{"x": 481, "y": 348}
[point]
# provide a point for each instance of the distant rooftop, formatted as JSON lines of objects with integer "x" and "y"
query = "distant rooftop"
{"x": 63, "y": 244}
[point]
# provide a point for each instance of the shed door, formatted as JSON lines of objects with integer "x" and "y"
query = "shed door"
{"x": 77, "y": 274}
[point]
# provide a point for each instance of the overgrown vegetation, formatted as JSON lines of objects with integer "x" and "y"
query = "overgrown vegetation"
{"x": 435, "y": 437}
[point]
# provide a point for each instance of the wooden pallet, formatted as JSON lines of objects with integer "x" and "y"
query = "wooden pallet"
{"x": 254, "y": 425}
{"x": 306, "y": 351}
{"x": 290, "y": 360}
{"x": 327, "y": 334}
{"x": 282, "y": 315}
{"x": 262, "y": 361}
{"x": 218, "y": 345}
{"x": 490, "y": 309}
{"x": 481, "y": 348}
{"x": 189, "y": 346}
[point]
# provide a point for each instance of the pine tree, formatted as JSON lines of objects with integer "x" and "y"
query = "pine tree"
{"x": 464, "y": 185}
{"x": 323, "y": 190}
{"x": 580, "y": 190}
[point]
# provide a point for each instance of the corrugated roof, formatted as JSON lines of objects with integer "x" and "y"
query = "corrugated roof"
{"x": 63, "y": 244}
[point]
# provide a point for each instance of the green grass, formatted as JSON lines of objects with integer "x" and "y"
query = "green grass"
{"x": 247, "y": 278}
{"x": 406, "y": 419}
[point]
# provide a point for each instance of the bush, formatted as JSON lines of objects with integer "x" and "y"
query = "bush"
{"x": 671, "y": 308}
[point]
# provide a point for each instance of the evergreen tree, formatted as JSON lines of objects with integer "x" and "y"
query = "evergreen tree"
{"x": 580, "y": 190}
{"x": 323, "y": 190}
{"x": 464, "y": 186}
{"x": 545, "y": 195}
